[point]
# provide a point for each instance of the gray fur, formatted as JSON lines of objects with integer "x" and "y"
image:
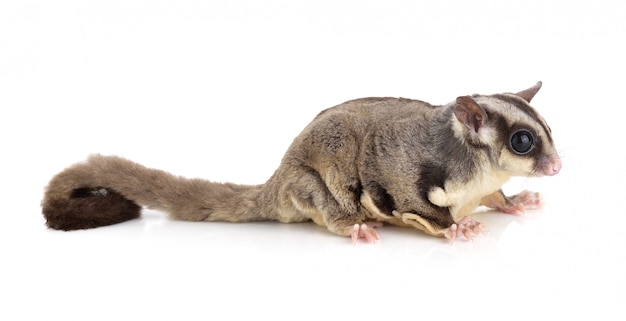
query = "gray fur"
{"x": 393, "y": 150}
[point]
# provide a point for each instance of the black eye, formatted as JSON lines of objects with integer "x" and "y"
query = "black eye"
{"x": 522, "y": 142}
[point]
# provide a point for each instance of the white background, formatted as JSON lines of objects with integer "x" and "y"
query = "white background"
{"x": 218, "y": 89}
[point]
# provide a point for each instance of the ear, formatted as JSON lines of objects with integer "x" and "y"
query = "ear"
{"x": 529, "y": 93}
{"x": 469, "y": 113}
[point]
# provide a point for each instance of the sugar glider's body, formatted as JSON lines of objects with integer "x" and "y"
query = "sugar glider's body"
{"x": 363, "y": 162}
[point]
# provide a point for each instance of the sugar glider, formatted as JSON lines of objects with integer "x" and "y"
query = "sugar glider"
{"x": 354, "y": 167}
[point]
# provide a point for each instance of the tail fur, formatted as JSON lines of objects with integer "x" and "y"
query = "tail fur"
{"x": 107, "y": 190}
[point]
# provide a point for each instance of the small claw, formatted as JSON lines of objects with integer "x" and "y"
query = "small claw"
{"x": 451, "y": 233}
{"x": 364, "y": 232}
{"x": 372, "y": 234}
{"x": 468, "y": 234}
{"x": 355, "y": 234}
{"x": 369, "y": 234}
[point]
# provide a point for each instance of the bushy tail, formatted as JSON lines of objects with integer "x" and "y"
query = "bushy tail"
{"x": 107, "y": 190}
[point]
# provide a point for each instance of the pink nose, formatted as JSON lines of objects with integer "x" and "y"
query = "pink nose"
{"x": 554, "y": 167}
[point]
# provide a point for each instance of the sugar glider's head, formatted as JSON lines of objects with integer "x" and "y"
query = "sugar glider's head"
{"x": 518, "y": 138}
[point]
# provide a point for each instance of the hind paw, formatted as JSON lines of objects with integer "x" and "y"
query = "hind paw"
{"x": 466, "y": 228}
{"x": 366, "y": 231}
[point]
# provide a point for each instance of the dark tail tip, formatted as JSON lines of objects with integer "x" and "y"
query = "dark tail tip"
{"x": 88, "y": 208}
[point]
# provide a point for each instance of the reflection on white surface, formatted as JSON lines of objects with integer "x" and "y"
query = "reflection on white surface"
{"x": 163, "y": 268}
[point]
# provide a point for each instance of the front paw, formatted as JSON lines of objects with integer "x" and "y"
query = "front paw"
{"x": 530, "y": 200}
{"x": 518, "y": 204}
{"x": 515, "y": 204}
